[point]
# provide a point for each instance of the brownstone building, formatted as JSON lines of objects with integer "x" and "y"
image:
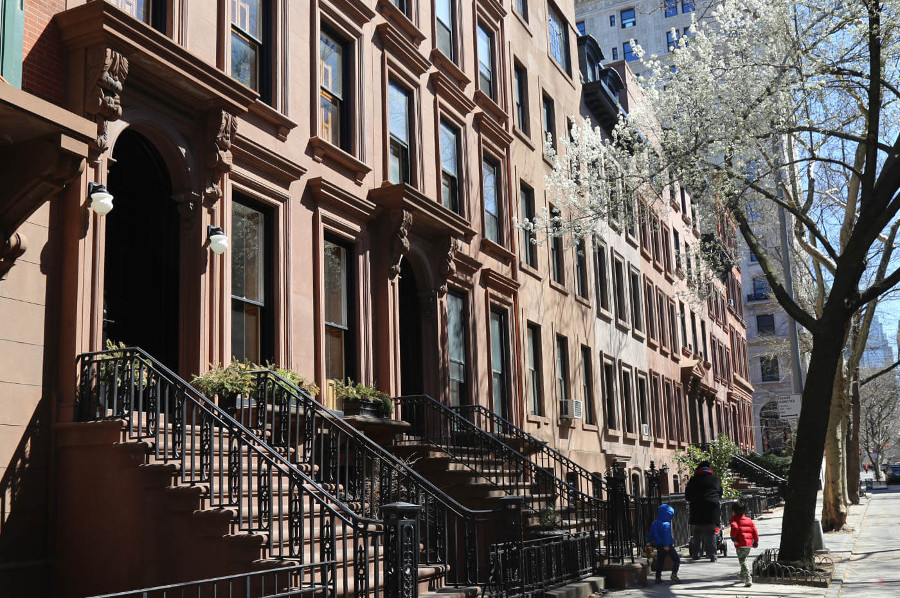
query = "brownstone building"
{"x": 366, "y": 161}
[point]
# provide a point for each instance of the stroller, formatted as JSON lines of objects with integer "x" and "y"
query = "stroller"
{"x": 721, "y": 544}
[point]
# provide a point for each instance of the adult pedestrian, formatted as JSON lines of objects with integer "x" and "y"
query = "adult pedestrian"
{"x": 703, "y": 493}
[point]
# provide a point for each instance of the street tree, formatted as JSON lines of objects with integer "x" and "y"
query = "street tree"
{"x": 787, "y": 105}
{"x": 880, "y": 415}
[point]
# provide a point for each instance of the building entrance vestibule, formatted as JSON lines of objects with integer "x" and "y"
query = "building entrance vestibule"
{"x": 142, "y": 248}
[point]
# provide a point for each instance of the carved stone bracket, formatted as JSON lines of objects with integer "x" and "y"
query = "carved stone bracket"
{"x": 106, "y": 73}
{"x": 222, "y": 127}
{"x": 448, "y": 267}
{"x": 400, "y": 240}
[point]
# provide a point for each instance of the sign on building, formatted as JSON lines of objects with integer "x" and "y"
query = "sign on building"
{"x": 789, "y": 408}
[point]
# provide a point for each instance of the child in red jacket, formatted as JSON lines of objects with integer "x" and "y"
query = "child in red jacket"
{"x": 744, "y": 534}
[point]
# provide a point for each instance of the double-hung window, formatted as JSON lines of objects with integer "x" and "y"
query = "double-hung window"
{"x": 500, "y": 362}
{"x": 549, "y": 122}
{"x": 450, "y": 167}
{"x": 533, "y": 381}
{"x": 445, "y": 24}
{"x": 402, "y": 6}
{"x": 251, "y": 309}
{"x": 587, "y": 382}
{"x": 521, "y": 7}
{"x": 581, "y": 269}
{"x": 687, "y": 6}
{"x": 520, "y": 96}
{"x": 529, "y": 248}
{"x": 248, "y": 37}
{"x": 557, "y": 257}
{"x": 491, "y": 193}
{"x": 559, "y": 39}
{"x": 456, "y": 332}
{"x": 769, "y": 368}
{"x": 601, "y": 276}
{"x": 627, "y": 18}
{"x": 628, "y": 52}
{"x": 399, "y": 104}
{"x": 562, "y": 368}
{"x": 671, "y": 8}
{"x": 333, "y": 56}
{"x": 672, "y": 39}
{"x": 339, "y": 333}
{"x": 486, "y": 62}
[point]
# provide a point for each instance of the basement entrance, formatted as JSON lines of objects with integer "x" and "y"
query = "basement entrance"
{"x": 140, "y": 285}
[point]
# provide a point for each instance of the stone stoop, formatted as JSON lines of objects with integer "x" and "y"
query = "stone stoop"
{"x": 579, "y": 589}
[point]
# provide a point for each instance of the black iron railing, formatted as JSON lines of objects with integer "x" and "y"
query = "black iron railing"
{"x": 300, "y": 519}
{"x": 365, "y": 476}
{"x": 288, "y": 582}
{"x": 537, "y": 450}
{"x": 758, "y": 475}
{"x": 504, "y": 466}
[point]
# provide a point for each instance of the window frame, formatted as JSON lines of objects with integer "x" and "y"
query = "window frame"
{"x": 628, "y": 50}
{"x": 587, "y": 385}
{"x": 345, "y": 103}
{"x": 452, "y": 30}
{"x": 350, "y": 329}
{"x": 560, "y": 36}
{"x": 548, "y": 121}
{"x": 520, "y": 97}
{"x": 601, "y": 276}
{"x": 534, "y": 385}
{"x": 490, "y": 64}
{"x": 505, "y": 359}
{"x": 410, "y": 148}
{"x": 264, "y": 44}
{"x": 557, "y": 251}
{"x": 581, "y": 269}
{"x": 488, "y": 159}
{"x": 630, "y": 21}
{"x": 769, "y": 369}
{"x": 455, "y": 179}
{"x": 670, "y": 8}
{"x": 610, "y": 394}
{"x": 463, "y": 399}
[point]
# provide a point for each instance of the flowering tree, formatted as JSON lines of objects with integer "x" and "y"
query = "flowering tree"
{"x": 785, "y": 109}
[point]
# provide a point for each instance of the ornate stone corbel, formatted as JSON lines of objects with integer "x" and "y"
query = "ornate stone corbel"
{"x": 448, "y": 268}
{"x": 400, "y": 241}
{"x": 11, "y": 249}
{"x": 107, "y": 70}
{"x": 222, "y": 126}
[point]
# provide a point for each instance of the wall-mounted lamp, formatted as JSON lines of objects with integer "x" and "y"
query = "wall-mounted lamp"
{"x": 218, "y": 240}
{"x": 101, "y": 199}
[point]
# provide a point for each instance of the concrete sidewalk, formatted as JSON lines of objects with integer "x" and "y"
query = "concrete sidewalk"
{"x": 866, "y": 558}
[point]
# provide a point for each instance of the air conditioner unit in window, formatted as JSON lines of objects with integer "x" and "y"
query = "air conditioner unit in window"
{"x": 571, "y": 409}
{"x": 645, "y": 429}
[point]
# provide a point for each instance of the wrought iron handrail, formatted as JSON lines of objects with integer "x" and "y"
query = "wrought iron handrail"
{"x": 547, "y": 457}
{"x": 364, "y": 475}
{"x": 300, "y": 518}
{"x": 498, "y": 463}
{"x": 757, "y": 474}
{"x": 286, "y": 582}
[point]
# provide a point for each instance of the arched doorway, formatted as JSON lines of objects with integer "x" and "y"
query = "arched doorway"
{"x": 140, "y": 290}
{"x": 411, "y": 346}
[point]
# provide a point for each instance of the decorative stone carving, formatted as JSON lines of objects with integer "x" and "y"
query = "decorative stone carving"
{"x": 106, "y": 72}
{"x": 222, "y": 126}
{"x": 10, "y": 251}
{"x": 448, "y": 268}
{"x": 400, "y": 241}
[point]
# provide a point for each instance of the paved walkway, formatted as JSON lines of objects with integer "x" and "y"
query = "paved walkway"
{"x": 866, "y": 557}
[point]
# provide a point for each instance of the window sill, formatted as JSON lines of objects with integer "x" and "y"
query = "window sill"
{"x": 696, "y": 232}
{"x": 583, "y": 300}
{"x": 622, "y": 325}
{"x": 401, "y": 20}
{"x": 559, "y": 287}
{"x": 494, "y": 249}
{"x": 686, "y": 218}
{"x": 639, "y": 335}
{"x": 657, "y": 265}
{"x": 523, "y": 137}
{"x": 323, "y": 150}
{"x": 675, "y": 355}
{"x": 282, "y": 123}
{"x": 547, "y": 159}
{"x": 589, "y": 427}
{"x": 562, "y": 71}
{"x": 537, "y": 419}
{"x": 522, "y": 22}
{"x": 631, "y": 239}
{"x": 491, "y": 106}
{"x": 630, "y": 436}
{"x": 645, "y": 253}
{"x": 651, "y": 343}
{"x": 668, "y": 276}
{"x": 613, "y": 433}
{"x": 530, "y": 270}
{"x": 604, "y": 314}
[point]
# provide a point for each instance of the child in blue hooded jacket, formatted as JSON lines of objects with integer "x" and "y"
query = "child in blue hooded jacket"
{"x": 660, "y": 535}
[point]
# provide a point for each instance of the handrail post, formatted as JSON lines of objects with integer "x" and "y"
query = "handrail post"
{"x": 512, "y": 571}
{"x": 401, "y": 550}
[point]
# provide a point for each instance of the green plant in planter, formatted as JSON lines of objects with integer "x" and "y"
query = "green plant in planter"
{"x": 549, "y": 519}
{"x": 227, "y": 381}
{"x": 350, "y": 392}
{"x": 295, "y": 378}
{"x": 115, "y": 355}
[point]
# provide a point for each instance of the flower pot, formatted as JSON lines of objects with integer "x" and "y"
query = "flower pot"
{"x": 364, "y": 408}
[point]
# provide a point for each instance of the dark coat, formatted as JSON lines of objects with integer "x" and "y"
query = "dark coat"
{"x": 703, "y": 492}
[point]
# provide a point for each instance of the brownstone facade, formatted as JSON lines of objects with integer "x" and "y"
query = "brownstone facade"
{"x": 367, "y": 160}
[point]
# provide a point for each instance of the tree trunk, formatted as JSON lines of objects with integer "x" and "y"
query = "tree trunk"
{"x": 834, "y": 497}
{"x": 803, "y": 479}
{"x": 853, "y": 456}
